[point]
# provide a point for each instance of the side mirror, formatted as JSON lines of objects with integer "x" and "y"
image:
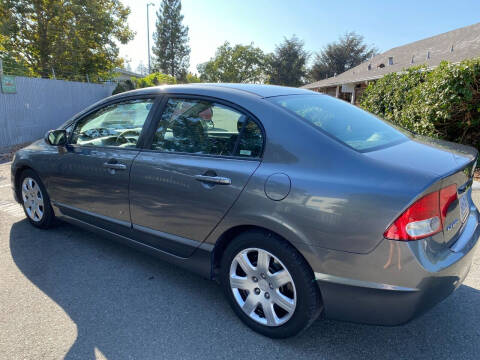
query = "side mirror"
{"x": 56, "y": 137}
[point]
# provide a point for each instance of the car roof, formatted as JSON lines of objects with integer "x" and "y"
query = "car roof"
{"x": 260, "y": 90}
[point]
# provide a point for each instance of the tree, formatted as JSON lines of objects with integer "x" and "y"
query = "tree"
{"x": 189, "y": 78}
{"x": 287, "y": 64}
{"x": 10, "y": 64}
{"x": 240, "y": 64}
{"x": 73, "y": 38}
{"x": 192, "y": 78}
{"x": 338, "y": 57}
{"x": 171, "y": 51}
{"x": 141, "y": 68}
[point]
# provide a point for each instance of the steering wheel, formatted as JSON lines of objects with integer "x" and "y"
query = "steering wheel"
{"x": 122, "y": 137}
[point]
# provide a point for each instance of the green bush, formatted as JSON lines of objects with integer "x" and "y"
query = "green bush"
{"x": 123, "y": 86}
{"x": 153, "y": 79}
{"x": 443, "y": 102}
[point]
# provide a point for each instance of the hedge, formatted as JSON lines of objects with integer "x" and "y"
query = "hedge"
{"x": 153, "y": 79}
{"x": 443, "y": 102}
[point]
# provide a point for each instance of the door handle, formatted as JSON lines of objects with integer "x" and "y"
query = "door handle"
{"x": 213, "y": 179}
{"x": 115, "y": 166}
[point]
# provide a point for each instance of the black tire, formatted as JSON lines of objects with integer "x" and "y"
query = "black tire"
{"x": 48, "y": 217}
{"x": 308, "y": 300}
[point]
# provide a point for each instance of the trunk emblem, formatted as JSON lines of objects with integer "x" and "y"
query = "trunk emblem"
{"x": 452, "y": 225}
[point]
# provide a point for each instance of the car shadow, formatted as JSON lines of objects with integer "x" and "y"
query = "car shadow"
{"x": 129, "y": 305}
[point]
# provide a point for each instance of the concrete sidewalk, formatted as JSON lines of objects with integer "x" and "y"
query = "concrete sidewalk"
{"x": 476, "y": 185}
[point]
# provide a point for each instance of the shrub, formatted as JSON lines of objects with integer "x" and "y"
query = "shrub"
{"x": 153, "y": 79}
{"x": 443, "y": 102}
{"x": 123, "y": 86}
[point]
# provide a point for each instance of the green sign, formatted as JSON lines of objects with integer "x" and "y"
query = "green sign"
{"x": 8, "y": 84}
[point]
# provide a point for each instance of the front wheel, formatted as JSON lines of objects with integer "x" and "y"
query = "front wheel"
{"x": 269, "y": 285}
{"x": 35, "y": 200}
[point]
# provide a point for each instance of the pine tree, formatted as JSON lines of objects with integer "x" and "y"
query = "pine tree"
{"x": 288, "y": 63}
{"x": 337, "y": 57}
{"x": 171, "y": 51}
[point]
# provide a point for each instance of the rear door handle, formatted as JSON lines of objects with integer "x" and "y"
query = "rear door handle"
{"x": 213, "y": 179}
{"x": 115, "y": 166}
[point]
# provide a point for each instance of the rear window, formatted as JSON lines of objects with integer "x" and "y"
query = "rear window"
{"x": 347, "y": 123}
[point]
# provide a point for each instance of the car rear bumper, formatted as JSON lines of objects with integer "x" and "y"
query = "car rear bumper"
{"x": 405, "y": 279}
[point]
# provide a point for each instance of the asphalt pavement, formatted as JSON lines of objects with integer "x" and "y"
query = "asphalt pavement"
{"x": 67, "y": 293}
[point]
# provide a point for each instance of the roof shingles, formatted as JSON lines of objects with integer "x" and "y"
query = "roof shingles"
{"x": 453, "y": 46}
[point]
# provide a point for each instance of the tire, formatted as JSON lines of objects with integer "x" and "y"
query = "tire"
{"x": 301, "y": 301}
{"x": 39, "y": 212}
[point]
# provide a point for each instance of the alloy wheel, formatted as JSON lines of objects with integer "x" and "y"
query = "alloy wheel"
{"x": 263, "y": 287}
{"x": 32, "y": 199}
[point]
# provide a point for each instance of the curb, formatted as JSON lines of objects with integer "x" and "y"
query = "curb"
{"x": 476, "y": 186}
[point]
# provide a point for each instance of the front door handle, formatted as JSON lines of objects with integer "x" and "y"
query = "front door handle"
{"x": 219, "y": 180}
{"x": 115, "y": 166}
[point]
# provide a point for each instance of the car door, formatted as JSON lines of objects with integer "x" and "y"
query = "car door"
{"x": 200, "y": 158}
{"x": 93, "y": 171}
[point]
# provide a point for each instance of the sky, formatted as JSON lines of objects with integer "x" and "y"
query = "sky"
{"x": 384, "y": 24}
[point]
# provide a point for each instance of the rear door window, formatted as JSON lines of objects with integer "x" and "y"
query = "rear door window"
{"x": 347, "y": 123}
{"x": 205, "y": 127}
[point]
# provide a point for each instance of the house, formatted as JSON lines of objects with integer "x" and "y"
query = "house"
{"x": 453, "y": 46}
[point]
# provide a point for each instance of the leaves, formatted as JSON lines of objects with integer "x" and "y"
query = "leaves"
{"x": 153, "y": 79}
{"x": 287, "y": 65}
{"x": 71, "y": 38}
{"x": 338, "y": 57}
{"x": 239, "y": 64}
{"x": 443, "y": 102}
{"x": 171, "y": 51}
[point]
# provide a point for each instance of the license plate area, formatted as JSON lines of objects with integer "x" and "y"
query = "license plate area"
{"x": 464, "y": 208}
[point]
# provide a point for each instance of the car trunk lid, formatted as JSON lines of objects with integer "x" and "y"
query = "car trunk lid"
{"x": 448, "y": 164}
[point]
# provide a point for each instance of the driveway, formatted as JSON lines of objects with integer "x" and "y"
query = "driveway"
{"x": 67, "y": 293}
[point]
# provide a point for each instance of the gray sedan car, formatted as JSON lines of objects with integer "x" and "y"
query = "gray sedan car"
{"x": 299, "y": 204}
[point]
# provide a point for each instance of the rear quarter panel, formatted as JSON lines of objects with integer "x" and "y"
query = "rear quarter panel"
{"x": 339, "y": 198}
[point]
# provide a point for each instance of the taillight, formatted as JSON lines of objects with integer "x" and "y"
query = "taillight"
{"x": 423, "y": 218}
{"x": 447, "y": 196}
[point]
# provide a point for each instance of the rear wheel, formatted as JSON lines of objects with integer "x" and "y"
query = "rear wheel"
{"x": 35, "y": 200}
{"x": 269, "y": 285}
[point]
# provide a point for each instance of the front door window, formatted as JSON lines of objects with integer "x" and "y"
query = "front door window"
{"x": 116, "y": 125}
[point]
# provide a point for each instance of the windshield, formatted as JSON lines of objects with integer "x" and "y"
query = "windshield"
{"x": 347, "y": 123}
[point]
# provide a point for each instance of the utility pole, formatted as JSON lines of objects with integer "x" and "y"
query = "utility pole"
{"x": 148, "y": 37}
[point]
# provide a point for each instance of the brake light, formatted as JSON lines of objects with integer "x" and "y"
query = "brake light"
{"x": 425, "y": 217}
{"x": 447, "y": 196}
